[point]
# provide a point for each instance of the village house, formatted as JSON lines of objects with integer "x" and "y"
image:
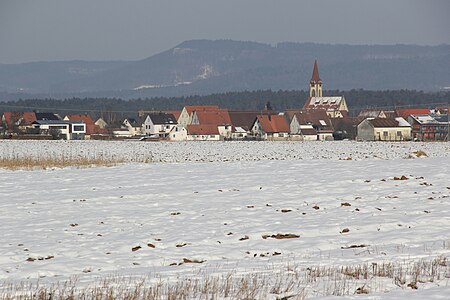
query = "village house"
{"x": 382, "y": 129}
{"x": 101, "y": 123}
{"x": 429, "y": 127}
{"x": 335, "y": 107}
{"x": 219, "y": 118}
{"x": 178, "y": 133}
{"x": 18, "y": 121}
{"x": 306, "y": 123}
{"x": 187, "y": 113}
{"x": 61, "y": 129}
{"x": 91, "y": 127}
{"x": 203, "y": 133}
{"x": 270, "y": 127}
{"x": 134, "y": 126}
{"x": 159, "y": 124}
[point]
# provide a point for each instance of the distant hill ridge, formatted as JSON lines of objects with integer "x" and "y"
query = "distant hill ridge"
{"x": 200, "y": 67}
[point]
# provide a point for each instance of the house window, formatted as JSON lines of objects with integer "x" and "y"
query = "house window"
{"x": 78, "y": 128}
{"x": 212, "y": 136}
{"x": 385, "y": 133}
{"x": 167, "y": 127}
{"x": 399, "y": 133}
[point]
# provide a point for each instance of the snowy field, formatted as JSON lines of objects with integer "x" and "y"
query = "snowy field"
{"x": 136, "y": 151}
{"x": 308, "y": 219}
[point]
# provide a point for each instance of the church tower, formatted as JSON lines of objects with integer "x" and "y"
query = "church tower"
{"x": 315, "y": 85}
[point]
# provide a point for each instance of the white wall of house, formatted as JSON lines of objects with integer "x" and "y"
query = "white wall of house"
{"x": 239, "y": 134}
{"x": 294, "y": 126}
{"x": 121, "y": 133}
{"x": 325, "y": 136}
{"x": 203, "y": 137}
{"x": 178, "y": 133}
{"x": 367, "y": 132}
{"x": 392, "y": 133}
{"x": 160, "y": 130}
{"x": 257, "y": 131}
{"x": 134, "y": 130}
{"x": 225, "y": 131}
{"x": 101, "y": 123}
{"x": 71, "y": 131}
{"x": 184, "y": 119}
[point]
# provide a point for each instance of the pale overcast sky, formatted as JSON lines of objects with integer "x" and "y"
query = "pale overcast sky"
{"x": 36, "y": 30}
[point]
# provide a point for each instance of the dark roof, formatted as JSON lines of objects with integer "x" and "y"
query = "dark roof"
{"x": 46, "y": 116}
{"x": 315, "y": 75}
{"x": 244, "y": 118}
{"x": 441, "y": 118}
{"x": 163, "y": 118}
{"x": 384, "y": 122}
{"x": 316, "y": 117}
{"x": 49, "y": 122}
{"x": 308, "y": 131}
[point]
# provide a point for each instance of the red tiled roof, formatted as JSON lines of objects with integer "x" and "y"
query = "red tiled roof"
{"x": 192, "y": 108}
{"x": 315, "y": 75}
{"x": 86, "y": 119}
{"x": 271, "y": 124}
{"x": 214, "y": 117}
{"x": 25, "y": 118}
{"x": 202, "y": 129}
{"x": 405, "y": 112}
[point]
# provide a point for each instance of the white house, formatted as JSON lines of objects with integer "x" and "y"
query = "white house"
{"x": 134, "y": 126}
{"x": 203, "y": 133}
{"x": 68, "y": 130}
{"x": 186, "y": 115}
{"x": 159, "y": 124}
{"x": 271, "y": 127}
{"x": 239, "y": 133}
{"x": 382, "y": 129}
{"x": 178, "y": 133}
{"x": 306, "y": 123}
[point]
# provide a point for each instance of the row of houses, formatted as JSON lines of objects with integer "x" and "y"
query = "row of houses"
{"x": 320, "y": 118}
{"x": 212, "y": 123}
{"x": 50, "y": 125}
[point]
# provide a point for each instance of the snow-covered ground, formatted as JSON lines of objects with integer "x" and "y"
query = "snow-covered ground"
{"x": 136, "y": 151}
{"x": 230, "y": 207}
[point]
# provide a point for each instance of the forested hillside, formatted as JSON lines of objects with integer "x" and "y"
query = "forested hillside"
{"x": 203, "y": 67}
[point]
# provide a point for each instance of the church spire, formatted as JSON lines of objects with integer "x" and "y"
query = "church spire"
{"x": 315, "y": 85}
{"x": 315, "y": 75}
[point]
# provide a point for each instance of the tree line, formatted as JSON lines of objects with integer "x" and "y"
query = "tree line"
{"x": 117, "y": 109}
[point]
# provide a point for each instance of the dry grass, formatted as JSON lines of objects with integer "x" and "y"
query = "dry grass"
{"x": 29, "y": 163}
{"x": 291, "y": 283}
